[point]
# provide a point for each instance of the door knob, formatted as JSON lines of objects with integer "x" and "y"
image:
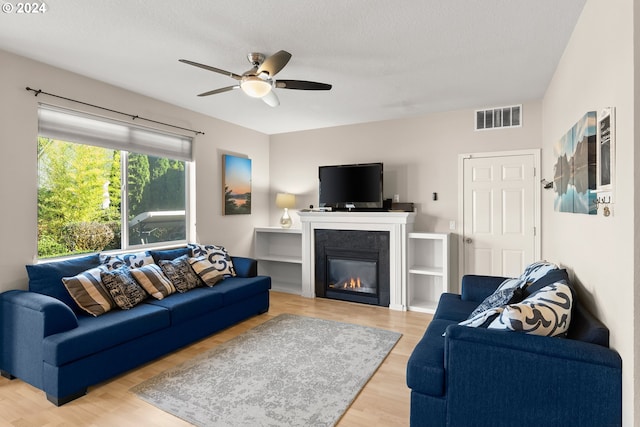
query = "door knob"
{"x": 468, "y": 240}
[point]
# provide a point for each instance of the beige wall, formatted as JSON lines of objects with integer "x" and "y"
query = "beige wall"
{"x": 18, "y": 176}
{"x": 596, "y": 71}
{"x": 420, "y": 157}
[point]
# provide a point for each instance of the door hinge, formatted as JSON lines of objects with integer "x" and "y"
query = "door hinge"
{"x": 534, "y": 231}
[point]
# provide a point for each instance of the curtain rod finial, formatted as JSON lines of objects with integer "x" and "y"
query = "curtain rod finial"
{"x": 37, "y": 92}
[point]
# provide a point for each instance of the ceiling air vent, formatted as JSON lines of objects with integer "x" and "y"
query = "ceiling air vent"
{"x": 499, "y": 117}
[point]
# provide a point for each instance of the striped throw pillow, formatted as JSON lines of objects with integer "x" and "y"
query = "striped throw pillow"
{"x": 153, "y": 280}
{"x": 89, "y": 293}
{"x": 208, "y": 272}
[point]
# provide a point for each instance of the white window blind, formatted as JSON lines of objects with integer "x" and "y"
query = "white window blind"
{"x": 72, "y": 126}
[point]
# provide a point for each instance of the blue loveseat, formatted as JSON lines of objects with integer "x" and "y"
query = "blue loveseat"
{"x": 474, "y": 376}
{"x": 48, "y": 342}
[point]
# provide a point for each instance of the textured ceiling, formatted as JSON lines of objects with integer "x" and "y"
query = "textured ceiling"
{"x": 385, "y": 59}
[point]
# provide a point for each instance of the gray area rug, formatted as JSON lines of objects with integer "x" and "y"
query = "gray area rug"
{"x": 289, "y": 371}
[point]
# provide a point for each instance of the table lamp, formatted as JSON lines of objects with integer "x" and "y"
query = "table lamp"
{"x": 285, "y": 201}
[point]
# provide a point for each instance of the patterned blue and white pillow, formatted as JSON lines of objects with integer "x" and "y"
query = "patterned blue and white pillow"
{"x": 132, "y": 260}
{"x": 216, "y": 255}
{"x": 537, "y": 270}
{"x": 546, "y": 312}
{"x": 510, "y": 292}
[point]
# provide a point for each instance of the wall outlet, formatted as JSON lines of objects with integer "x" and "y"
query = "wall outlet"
{"x": 452, "y": 225}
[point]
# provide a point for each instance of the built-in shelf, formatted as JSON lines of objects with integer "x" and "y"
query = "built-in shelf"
{"x": 286, "y": 256}
{"x": 428, "y": 269}
{"x": 279, "y": 254}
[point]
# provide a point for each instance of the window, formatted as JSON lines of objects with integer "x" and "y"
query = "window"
{"x": 108, "y": 185}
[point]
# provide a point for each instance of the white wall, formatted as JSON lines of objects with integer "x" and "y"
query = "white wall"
{"x": 596, "y": 71}
{"x": 18, "y": 176}
{"x": 420, "y": 157}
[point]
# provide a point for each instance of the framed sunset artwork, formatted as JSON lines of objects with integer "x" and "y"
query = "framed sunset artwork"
{"x": 236, "y": 185}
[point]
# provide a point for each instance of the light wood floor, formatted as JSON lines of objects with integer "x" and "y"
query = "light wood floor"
{"x": 383, "y": 402}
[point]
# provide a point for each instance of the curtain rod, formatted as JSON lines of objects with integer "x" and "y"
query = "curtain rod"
{"x": 133, "y": 116}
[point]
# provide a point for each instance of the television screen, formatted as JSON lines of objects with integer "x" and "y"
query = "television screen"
{"x": 351, "y": 186}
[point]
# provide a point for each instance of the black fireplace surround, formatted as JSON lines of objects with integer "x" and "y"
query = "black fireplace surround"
{"x": 352, "y": 265}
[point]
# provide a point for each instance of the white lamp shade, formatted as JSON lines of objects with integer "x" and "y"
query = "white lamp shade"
{"x": 255, "y": 87}
{"x": 285, "y": 200}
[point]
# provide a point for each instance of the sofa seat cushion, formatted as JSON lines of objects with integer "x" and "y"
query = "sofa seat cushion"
{"x": 425, "y": 369}
{"x": 236, "y": 289}
{"x": 452, "y": 307}
{"x": 95, "y": 334}
{"x": 188, "y": 305}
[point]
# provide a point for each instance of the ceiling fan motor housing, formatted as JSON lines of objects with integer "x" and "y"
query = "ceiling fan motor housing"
{"x": 256, "y": 58}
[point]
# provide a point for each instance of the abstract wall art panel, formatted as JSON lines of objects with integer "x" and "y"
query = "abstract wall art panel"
{"x": 576, "y": 168}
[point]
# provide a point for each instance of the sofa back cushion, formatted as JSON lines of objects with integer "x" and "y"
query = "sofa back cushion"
{"x": 586, "y": 327}
{"x": 46, "y": 278}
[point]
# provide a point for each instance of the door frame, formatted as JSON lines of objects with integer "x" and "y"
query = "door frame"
{"x": 537, "y": 210}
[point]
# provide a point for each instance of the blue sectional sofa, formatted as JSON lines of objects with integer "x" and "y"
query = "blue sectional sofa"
{"x": 476, "y": 376}
{"x": 48, "y": 342}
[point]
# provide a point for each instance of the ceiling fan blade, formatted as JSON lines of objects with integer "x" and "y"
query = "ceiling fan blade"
{"x": 302, "y": 85}
{"x": 273, "y": 64}
{"x": 271, "y": 99}
{"x": 214, "y": 69}
{"x": 221, "y": 90}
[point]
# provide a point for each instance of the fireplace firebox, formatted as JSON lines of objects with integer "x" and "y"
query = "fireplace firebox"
{"x": 352, "y": 265}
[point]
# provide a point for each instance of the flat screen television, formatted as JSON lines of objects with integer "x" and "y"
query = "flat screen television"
{"x": 347, "y": 187}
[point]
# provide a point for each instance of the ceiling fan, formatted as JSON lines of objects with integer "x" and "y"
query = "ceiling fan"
{"x": 259, "y": 81}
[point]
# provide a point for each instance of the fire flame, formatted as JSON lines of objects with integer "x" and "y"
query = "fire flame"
{"x": 352, "y": 283}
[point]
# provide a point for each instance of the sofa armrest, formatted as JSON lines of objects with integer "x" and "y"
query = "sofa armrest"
{"x": 25, "y": 319}
{"x": 245, "y": 267}
{"x": 503, "y": 378}
{"x": 477, "y": 288}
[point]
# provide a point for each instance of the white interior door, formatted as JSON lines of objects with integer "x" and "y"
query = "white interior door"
{"x": 500, "y": 213}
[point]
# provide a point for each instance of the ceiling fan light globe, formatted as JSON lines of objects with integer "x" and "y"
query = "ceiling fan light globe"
{"x": 255, "y": 87}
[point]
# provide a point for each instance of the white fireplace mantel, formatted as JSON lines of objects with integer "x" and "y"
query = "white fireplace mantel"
{"x": 398, "y": 224}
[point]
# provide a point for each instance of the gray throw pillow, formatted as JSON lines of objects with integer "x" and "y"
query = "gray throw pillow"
{"x": 124, "y": 290}
{"x": 180, "y": 273}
